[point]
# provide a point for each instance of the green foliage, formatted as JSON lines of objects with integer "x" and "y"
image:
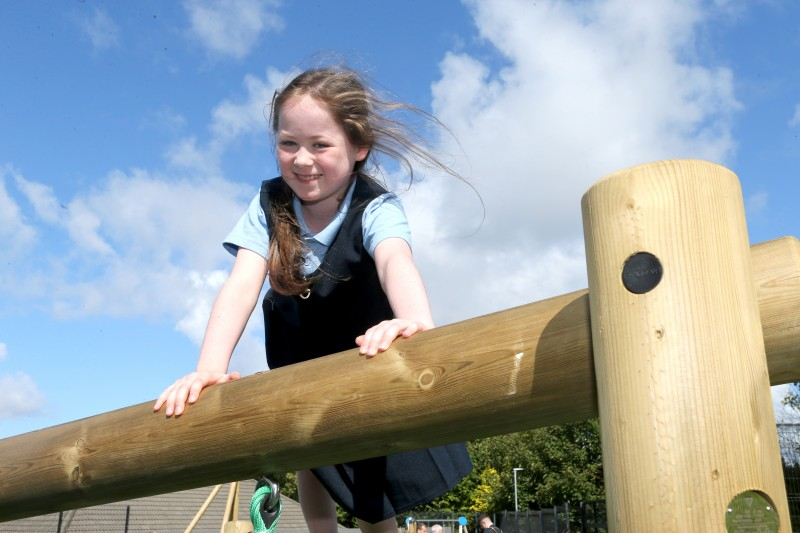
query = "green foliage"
{"x": 792, "y": 399}
{"x": 345, "y": 519}
{"x": 561, "y": 464}
{"x": 483, "y": 501}
{"x": 287, "y": 482}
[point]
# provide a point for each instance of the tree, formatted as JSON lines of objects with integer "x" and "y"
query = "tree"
{"x": 792, "y": 398}
{"x": 561, "y": 464}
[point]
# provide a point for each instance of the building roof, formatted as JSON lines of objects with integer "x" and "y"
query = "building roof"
{"x": 165, "y": 513}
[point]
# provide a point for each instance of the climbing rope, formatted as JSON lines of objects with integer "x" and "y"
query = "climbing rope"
{"x": 265, "y": 507}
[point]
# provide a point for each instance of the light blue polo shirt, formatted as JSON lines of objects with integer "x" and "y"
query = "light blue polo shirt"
{"x": 383, "y": 218}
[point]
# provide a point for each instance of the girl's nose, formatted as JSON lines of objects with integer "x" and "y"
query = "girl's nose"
{"x": 302, "y": 158}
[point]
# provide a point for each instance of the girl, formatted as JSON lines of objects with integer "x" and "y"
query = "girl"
{"x": 335, "y": 246}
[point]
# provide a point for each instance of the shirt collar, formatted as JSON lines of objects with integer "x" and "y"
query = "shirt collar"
{"x": 327, "y": 235}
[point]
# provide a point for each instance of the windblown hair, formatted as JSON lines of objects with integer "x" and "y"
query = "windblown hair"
{"x": 368, "y": 120}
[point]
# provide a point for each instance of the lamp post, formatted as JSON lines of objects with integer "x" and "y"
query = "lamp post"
{"x": 516, "y": 505}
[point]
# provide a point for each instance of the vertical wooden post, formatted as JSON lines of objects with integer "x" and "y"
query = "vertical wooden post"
{"x": 688, "y": 430}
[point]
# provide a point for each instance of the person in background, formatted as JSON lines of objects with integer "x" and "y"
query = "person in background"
{"x": 487, "y": 526}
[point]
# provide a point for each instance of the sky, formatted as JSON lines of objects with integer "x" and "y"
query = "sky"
{"x": 133, "y": 136}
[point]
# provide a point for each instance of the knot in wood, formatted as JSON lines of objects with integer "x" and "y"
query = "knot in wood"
{"x": 427, "y": 378}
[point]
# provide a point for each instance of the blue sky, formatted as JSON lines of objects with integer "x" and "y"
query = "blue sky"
{"x": 133, "y": 136}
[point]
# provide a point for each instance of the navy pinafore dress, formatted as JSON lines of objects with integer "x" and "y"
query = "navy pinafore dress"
{"x": 300, "y": 329}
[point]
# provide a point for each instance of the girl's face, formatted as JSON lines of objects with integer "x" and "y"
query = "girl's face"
{"x": 315, "y": 156}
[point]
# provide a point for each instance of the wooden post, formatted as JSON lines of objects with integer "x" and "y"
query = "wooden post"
{"x": 518, "y": 369}
{"x": 687, "y": 423}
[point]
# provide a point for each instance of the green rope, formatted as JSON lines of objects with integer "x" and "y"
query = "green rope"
{"x": 261, "y": 494}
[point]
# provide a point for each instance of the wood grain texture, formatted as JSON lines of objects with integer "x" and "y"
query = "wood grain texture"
{"x": 777, "y": 277}
{"x": 683, "y": 386}
{"x": 518, "y": 369}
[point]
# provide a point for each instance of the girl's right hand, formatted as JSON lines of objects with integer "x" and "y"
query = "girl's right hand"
{"x": 187, "y": 390}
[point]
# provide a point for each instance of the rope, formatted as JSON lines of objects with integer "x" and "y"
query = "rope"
{"x": 265, "y": 507}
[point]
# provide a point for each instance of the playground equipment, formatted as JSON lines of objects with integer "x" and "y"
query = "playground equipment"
{"x": 686, "y": 417}
{"x": 682, "y": 380}
{"x": 230, "y": 519}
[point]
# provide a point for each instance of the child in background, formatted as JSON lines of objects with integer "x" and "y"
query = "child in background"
{"x": 336, "y": 248}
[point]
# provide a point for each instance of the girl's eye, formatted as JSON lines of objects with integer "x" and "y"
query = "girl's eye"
{"x": 287, "y": 143}
{"x": 320, "y": 145}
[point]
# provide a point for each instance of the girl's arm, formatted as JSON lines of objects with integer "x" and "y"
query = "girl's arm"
{"x": 403, "y": 286}
{"x": 229, "y": 316}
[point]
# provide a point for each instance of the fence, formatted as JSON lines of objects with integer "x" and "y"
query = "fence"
{"x": 789, "y": 439}
{"x": 549, "y": 520}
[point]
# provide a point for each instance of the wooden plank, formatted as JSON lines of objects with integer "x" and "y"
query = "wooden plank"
{"x": 518, "y": 369}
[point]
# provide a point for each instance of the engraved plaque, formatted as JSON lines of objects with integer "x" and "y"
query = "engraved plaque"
{"x": 751, "y": 512}
{"x": 642, "y": 272}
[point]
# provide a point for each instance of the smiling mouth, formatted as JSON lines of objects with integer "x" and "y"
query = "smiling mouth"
{"x": 308, "y": 177}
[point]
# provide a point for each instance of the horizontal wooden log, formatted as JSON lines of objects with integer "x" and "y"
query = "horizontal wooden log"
{"x": 523, "y": 368}
{"x": 775, "y": 269}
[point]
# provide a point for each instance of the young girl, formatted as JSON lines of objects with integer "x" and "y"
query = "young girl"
{"x": 335, "y": 246}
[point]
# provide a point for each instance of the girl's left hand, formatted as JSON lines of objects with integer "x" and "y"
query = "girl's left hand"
{"x": 378, "y": 338}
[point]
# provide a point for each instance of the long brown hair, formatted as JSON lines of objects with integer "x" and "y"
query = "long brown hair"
{"x": 368, "y": 120}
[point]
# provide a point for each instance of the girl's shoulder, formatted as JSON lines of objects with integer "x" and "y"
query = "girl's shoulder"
{"x": 383, "y": 218}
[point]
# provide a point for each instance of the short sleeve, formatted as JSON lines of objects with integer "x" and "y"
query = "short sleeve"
{"x": 384, "y": 218}
{"x": 250, "y": 231}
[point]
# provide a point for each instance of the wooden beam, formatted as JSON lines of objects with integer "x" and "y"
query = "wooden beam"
{"x": 686, "y": 415}
{"x": 518, "y": 369}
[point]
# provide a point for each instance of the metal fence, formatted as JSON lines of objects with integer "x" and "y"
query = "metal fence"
{"x": 593, "y": 516}
{"x": 549, "y": 520}
{"x": 789, "y": 440}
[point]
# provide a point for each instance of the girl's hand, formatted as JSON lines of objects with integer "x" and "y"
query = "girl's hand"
{"x": 187, "y": 390}
{"x": 378, "y": 338}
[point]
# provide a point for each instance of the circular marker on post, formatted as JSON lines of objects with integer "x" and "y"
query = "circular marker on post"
{"x": 642, "y": 272}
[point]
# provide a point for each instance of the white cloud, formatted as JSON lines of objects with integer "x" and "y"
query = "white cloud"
{"x": 795, "y": 120}
{"x": 204, "y": 287}
{"x": 137, "y": 243}
{"x": 164, "y": 119}
{"x": 82, "y": 225}
{"x": 128, "y": 247}
{"x": 142, "y": 244}
{"x": 41, "y": 197}
{"x": 3, "y": 351}
{"x": 583, "y": 90}
{"x": 18, "y": 239}
{"x": 783, "y": 413}
{"x": 199, "y": 160}
{"x": 231, "y": 28}
{"x": 20, "y": 396}
{"x": 101, "y": 30}
{"x": 156, "y": 231}
{"x": 232, "y": 119}
{"x": 15, "y": 232}
{"x": 757, "y": 203}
